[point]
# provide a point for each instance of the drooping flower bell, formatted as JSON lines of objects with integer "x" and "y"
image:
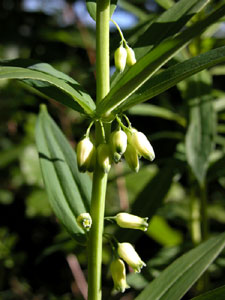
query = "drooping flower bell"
{"x": 120, "y": 58}
{"x": 118, "y": 272}
{"x": 126, "y": 220}
{"x": 139, "y": 141}
{"x": 131, "y": 60}
{"x": 84, "y": 221}
{"x": 118, "y": 141}
{"x": 131, "y": 156}
{"x": 127, "y": 252}
{"x": 86, "y": 155}
{"x": 104, "y": 157}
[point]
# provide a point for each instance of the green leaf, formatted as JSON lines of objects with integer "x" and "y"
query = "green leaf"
{"x": 91, "y": 7}
{"x": 170, "y": 77}
{"x": 68, "y": 190}
{"x": 52, "y": 83}
{"x": 140, "y": 72}
{"x": 175, "y": 280}
{"x": 156, "y": 111}
{"x": 166, "y": 4}
{"x": 200, "y": 136}
{"x": 217, "y": 294}
{"x": 160, "y": 231}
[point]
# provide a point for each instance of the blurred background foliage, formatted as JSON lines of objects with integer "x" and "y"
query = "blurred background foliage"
{"x": 35, "y": 251}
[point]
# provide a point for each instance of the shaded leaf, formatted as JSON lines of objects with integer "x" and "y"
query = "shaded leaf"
{"x": 156, "y": 111}
{"x": 200, "y": 136}
{"x": 68, "y": 190}
{"x": 217, "y": 294}
{"x": 175, "y": 280}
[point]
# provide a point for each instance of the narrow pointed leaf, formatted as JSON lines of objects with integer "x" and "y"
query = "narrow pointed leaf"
{"x": 176, "y": 280}
{"x": 170, "y": 77}
{"x": 91, "y": 7}
{"x": 156, "y": 111}
{"x": 53, "y": 84}
{"x": 217, "y": 294}
{"x": 68, "y": 190}
{"x": 140, "y": 72}
{"x": 200, "y": 137}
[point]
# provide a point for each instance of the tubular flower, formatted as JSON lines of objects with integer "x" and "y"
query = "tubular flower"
{"x": 120, "y": 57}
{"x": 84, "y": 221}
{"x": 131, "y": 60}
{"x": 118, "y": 141}
{"x": 141, "y": 143}
{"x": 118, "y": 272}
{"x": 126, "y": 220}
{"x": 131, "y": 156}
{"x": 85, "y": 154}
{"x": 104, "y": 157}
{"x": 129, "y": 255}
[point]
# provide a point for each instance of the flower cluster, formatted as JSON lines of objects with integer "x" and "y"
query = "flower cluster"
{"x": 126, "y": 252}
{"x": 129, "y": 142}
{"x": 124, "y": 56}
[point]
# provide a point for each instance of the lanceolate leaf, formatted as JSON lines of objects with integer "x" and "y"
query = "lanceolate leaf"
{"x": 53, "y": 84}
{"x": 140, "y": 72}
{"x": 170, "y": 77}
{"x": 68, "y": 190}
{"x": 175, "y": 281}
{"x": 157, "y": 111}
{"x": 200, "y": 137}
{"x": 91, "y": 7}
{"x": 217, "y": 294}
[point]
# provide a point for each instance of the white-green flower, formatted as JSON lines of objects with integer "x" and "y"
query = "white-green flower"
{"x": 129, "y": 255}
{"x": 139, "y": 141}
{"x": 131, "y": 156}
{"x": 131, "y": 60}
{"x": 118, "y": 272}
{"x": 118, "y": 142}
{"x": 85, "y": 154}
{"x": 120, "y": 57}
{"x": 84, "y": 221}
{"x": 126, "y": 220}
{"x": 104, "y": 157}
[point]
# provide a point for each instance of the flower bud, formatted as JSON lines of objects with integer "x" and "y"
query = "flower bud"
{"x": 126, "y": 220}
{"x": 104, "y": 157}
{"x": 84, "y": 221}
{"x": 118, "y": 141}
{"x": 120, "y": 57}
{"x": 85, "y": 152}
{"x": 139, "y": 141}
{"x": 129, "y": 255}
{"x": 131, "y": 60}
{"x": 131, "y": 157}
{"x": 118, "y": 272}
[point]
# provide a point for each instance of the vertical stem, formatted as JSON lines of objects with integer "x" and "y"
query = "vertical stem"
{"x": 99, "y": 178}
{"x": 203, "y": 195}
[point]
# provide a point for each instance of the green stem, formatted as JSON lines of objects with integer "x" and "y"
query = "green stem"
{"x": 203, "y": 196}
{"x": 99, "y": 178}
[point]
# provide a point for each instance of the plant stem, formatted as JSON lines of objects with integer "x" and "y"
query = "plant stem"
{"x": 99, "y": 178}
{"x": 204, "y": 216}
